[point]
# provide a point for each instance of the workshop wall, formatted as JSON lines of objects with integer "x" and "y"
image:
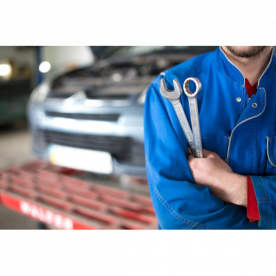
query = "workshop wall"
{"x": 21, "y": 56}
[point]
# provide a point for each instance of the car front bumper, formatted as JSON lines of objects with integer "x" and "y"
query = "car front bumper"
{"x": 128, "y": 127}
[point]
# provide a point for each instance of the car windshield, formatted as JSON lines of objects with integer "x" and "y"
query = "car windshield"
{"x": 140, "y": 50}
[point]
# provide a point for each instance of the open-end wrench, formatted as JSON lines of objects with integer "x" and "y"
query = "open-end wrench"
{"x": 192, "y": 97}
{"x": 173, "y": 97}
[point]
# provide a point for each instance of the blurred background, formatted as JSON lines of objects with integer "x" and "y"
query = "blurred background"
{"x": 73, "y": 116}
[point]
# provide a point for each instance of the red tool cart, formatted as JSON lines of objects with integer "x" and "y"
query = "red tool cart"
{"x": 59, "y": 197}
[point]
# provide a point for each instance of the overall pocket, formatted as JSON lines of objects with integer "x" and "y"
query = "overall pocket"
{"x": 271, "y": 155}
{"x": 216, "y": 143}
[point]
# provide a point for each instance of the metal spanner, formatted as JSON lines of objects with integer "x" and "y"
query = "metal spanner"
{"x": 192, "y": 97}
{"x": 173, "y": 97}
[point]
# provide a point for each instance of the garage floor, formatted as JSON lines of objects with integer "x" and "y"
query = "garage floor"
{"x": 15, "y": 148}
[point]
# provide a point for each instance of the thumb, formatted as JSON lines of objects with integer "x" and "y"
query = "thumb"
{"x": 207, "y": 153}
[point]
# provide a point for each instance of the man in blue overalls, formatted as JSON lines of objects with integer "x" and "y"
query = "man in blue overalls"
{"x": 234, "y": 185}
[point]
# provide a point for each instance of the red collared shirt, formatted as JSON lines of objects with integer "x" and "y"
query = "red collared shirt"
{"x": 250, "y": 89}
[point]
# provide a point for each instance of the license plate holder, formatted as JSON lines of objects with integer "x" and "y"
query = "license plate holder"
{"x": 81, "y": 159}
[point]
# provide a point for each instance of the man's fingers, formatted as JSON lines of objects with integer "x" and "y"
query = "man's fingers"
{"x": 208, "y": 154}
{"x": 190, "y": 157}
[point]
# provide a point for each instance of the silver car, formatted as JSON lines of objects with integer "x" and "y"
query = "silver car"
{"x": 92, "y": 118}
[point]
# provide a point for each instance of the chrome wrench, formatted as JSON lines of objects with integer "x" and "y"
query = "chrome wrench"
{"x": 192, "y": 97}
{"x": 173, "y": 97}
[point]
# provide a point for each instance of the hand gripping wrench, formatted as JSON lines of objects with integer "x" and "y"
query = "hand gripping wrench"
{"x": 173, "y": 97}
{"x": 192, "y": 97}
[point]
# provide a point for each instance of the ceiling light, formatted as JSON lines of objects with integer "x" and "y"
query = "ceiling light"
{"x": 44, "y": 67}
{"x": 5, "y": 69}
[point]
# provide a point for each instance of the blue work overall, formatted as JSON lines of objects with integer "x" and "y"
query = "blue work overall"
{"x": 241, "y": 133}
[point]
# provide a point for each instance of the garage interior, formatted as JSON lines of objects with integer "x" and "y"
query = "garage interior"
{"x": 71, "y": 134}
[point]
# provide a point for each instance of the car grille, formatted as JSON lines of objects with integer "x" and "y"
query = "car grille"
{"x": 124, "y": 149}
{"x": 90, "y": 96}
{"x": 83, "y": 116}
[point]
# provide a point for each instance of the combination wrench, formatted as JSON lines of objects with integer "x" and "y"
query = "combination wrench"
{"x": 193, "y": 138}
{"x": 173, "y": 97}
{"x": 192, "y": 97}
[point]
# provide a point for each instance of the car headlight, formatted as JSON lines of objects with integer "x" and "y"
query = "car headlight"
{"x": 39, "y": 93}
{"x": 142, "y": 97}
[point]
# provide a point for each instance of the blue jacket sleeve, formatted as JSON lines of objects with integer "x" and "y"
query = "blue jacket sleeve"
{"x": 178, "y": 202}
{"x": 265, "y": 190}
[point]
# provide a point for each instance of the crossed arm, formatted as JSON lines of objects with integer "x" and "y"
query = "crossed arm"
{"x": 191, "y": 193}
{"x": 212, "y": 171}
